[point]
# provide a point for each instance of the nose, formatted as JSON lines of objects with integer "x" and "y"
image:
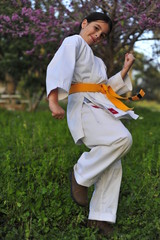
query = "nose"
{"x": 98, "y": 35}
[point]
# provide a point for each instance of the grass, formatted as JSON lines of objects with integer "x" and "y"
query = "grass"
{"x": 152, "y": 105}
{"x": 36, "y": 156}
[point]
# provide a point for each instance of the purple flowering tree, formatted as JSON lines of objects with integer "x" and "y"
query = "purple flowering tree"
{"x": 46, "y": 23}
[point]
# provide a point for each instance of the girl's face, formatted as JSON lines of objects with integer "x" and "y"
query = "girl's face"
{"x": 94, "y": 32}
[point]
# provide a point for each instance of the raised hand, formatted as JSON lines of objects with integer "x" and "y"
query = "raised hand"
{"x": 128, "y": 62}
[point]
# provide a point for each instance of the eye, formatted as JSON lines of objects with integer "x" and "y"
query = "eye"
{"x": 103, "y": 35}
{"x": 96, "y": 28}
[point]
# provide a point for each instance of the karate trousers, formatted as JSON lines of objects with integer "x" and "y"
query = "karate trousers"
{"x": 109, "y": 140}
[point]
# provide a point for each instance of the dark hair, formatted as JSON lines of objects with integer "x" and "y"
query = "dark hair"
{"x": 95, "y": 16}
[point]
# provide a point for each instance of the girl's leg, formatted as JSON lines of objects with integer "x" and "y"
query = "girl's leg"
{"x": 104, "y": 201}
{"x": 108, "y": 140}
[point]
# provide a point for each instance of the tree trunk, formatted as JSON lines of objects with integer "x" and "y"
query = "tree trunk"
{"x": 35, "y": 105}
{"x": 10, "y": 84}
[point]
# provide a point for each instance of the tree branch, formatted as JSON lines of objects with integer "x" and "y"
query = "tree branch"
{"x": 127, "y": 37}
{"x": 65, "y": 9}
{"x": 106, "y": 5}
{"x": 143, "y": 39}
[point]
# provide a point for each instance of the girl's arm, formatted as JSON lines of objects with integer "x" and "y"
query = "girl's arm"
{"x": 128, "y": 62}
{"x": 57, "y": 111}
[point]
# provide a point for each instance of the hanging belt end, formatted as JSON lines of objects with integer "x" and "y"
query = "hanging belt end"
{"x": 138, "y": 96}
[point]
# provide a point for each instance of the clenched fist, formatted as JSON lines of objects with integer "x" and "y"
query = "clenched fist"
{"x": 57, "y": 111}
{"x": 128, "y": 62}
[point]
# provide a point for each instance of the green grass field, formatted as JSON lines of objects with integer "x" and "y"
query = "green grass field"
{"x": 36, "y": 156}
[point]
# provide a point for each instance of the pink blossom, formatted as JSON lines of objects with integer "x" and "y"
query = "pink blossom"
{"x": 38, "y": 12}
{"x": 24, "y": 10}
{"x": 30, "y": 52}
{"x": 15, "y": 17}
{"x": 27, "y": 11}
{"x": 51, "y": 10}
{"x": 6, "y": 18}
{"x": 46, "y": 25}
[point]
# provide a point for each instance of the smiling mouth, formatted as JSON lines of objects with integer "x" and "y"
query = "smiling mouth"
{"x": 93, "y": 39}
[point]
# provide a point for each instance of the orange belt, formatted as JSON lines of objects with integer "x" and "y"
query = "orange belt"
{"x": 108, "y": 91}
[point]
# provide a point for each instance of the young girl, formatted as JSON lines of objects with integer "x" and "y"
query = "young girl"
{"x": 93, "y": 115}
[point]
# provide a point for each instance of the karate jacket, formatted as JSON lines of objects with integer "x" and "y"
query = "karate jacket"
{"x": 75, "y": 62}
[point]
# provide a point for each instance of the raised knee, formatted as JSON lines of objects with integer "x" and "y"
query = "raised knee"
{"x": 127, "y": 140}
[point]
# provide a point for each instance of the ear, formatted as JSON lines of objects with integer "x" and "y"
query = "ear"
{"x": 84, "y": 23}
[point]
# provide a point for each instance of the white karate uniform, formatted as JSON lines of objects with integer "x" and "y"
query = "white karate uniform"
{"x": 98, "y": 128}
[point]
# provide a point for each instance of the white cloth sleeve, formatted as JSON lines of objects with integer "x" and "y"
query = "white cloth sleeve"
{"x": 119, "y": 85}
{"x": 61, "y": 68}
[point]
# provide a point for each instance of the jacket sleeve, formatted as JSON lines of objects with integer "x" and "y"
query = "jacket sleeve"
{"x": 61, "y": 68}
{"x": 119, "y": 85}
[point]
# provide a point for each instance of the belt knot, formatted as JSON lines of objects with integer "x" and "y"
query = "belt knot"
{"x": 108, "y": 91}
